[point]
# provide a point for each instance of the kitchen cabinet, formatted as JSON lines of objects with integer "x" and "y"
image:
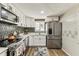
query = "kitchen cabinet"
{"x": 24, "y": 21}
{"x": 52, "y": 18}
{"x": 23, "y": 45}
{"x": 27, "y": 44}
{"x": 39, "y": 26}
{"x": 31, "y": 41}
{"x": 37, "y": 40}
{"x": 21, "y": 16}
{"x": 21, "y": 21}
{"x": 42, "y": 40}
{"x": 18, "y": 51}
{"x": 30, "y": 22}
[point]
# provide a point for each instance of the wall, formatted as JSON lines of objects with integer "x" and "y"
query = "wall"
{"x": 70, "y": 32}
{"x": 6, "y": 28}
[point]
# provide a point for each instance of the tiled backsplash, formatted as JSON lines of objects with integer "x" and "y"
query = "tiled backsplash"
{"x": 30, "y": 29}
{"x": 6, "y": 28}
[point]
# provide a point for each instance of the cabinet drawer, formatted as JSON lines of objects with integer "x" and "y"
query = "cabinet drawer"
{"x": 54, "y": 43}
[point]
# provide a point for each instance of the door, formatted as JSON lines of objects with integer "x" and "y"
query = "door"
{"x": 54, "y": 43}
{"x": 31, "y": 41}
{"x": 42, "y": 40}
{"x": 57, "y": 28}
{"x": 51, "y": 28}
{"x": 36, "y": 40}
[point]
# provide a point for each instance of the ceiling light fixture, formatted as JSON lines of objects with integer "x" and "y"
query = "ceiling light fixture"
{"x": 42, "y": 12}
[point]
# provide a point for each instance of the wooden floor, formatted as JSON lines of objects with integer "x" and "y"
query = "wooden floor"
{"x": 51, "y": 52}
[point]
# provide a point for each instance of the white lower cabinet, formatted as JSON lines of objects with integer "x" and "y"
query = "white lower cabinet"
{"x": 31, "y": 39}
{"x": 37, "y": 40}
{"x": 42, "y": 40}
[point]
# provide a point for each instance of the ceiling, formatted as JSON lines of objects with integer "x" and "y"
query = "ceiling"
{"x": 34, "y": 9}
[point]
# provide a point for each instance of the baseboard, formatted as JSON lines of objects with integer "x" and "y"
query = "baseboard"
{"x": 66, "y": 52}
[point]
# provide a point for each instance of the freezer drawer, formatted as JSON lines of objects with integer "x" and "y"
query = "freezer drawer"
{"x": 54, "y": 43}
{"x": 54, "y": 37}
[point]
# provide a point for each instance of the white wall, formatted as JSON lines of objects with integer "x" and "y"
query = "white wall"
{"x": 70, "y": 32}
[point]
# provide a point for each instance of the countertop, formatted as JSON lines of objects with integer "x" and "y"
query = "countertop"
{"x": 2, "y": 49}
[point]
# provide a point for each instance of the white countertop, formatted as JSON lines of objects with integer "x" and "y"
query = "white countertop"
{"x": 42, "y": 34}
{"x": 2, "y": 49}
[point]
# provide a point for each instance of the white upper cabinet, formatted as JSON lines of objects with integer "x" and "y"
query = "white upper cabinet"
{"x": 39, "y": 26}
{"x": 24, "y": 20}
{"x": 52, "y": 18}
{"x": 30, "y": 22}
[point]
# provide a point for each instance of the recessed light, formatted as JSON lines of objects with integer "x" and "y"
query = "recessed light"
{"x": 42, "y": 12}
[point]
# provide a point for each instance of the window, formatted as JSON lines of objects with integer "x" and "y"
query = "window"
{"x": 40, "y": 26}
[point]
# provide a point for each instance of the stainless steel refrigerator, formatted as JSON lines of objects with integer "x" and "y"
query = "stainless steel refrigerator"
{"x": 54, "y": 35}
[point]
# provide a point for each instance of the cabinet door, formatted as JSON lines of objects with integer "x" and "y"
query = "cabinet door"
{"x": 32, "y": 23}
{"x": 28, "y": 21}
{"x": 27, "y": 41}
{"x": 36, "y": 41}
{"x": 21, "y": 21}
{"x": 39, "y": 41}
{"x": 54, "y": 43}
{"x": 31, "y": 41}
{"x": 42, "y": 40}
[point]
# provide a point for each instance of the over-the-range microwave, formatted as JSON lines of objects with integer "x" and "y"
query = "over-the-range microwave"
{"x": 8, "y": 15}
